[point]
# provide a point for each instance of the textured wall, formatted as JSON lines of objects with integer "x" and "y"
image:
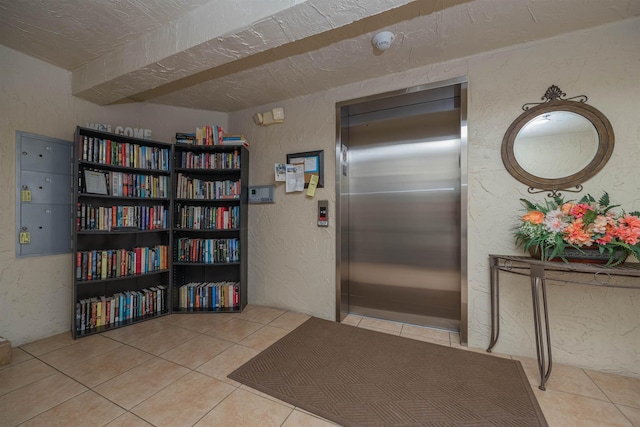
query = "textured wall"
{"x": 36, "y": 292}
{"x": 292, "y": 262}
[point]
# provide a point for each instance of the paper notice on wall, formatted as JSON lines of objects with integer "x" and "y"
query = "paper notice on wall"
{"x": 313, "y": 184}
{"x": 281, "y": 171}
{"x": 295, "y": 177}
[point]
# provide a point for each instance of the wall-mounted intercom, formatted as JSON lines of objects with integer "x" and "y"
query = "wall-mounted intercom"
{"x": 261, "y": 194}
{"x": 323, "y": 213}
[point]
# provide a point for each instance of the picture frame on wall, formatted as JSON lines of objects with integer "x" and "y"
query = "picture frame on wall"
{"x": 313, "y": 165}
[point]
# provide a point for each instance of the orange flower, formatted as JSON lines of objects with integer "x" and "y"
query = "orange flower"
{"x": 575, "y": 234}
{"x": 629, "y": 229}
{"x": 534, "y": 217}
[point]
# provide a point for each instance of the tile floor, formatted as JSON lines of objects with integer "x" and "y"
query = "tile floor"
{"x": 172, "y": 371}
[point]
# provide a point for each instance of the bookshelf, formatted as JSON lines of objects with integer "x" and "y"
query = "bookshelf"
{"x": 209, "y": 228}
{"x": 121, "y": 239}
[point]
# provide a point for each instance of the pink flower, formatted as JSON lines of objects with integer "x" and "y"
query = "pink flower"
{"x": 554, "y": 221}
{"x": 579, "y": 210}
{"x": 601, "y": 222}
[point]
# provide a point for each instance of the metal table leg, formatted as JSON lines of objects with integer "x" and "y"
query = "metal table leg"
{"x": 495, "y": 303}
{"x": 543, "y": 339}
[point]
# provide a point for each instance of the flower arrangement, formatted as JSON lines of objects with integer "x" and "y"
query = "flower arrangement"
{"x": 550, "y": 228}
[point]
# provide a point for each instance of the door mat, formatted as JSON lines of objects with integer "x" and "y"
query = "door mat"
{"x": 358, "y": 377}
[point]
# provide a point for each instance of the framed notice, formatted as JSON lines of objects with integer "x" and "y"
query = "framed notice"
{"x": 95, "y": 182}
{"x": 313, "y": 165}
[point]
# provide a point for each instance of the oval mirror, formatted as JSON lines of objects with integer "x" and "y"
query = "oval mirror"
{"x": 557, "y": 145}
{"x": 570, "y": 137}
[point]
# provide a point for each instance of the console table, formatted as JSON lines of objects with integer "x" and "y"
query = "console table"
{"x": 539, "y": 273}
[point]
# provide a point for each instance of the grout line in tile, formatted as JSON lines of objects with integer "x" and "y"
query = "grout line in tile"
{"x": 599, "y": 388}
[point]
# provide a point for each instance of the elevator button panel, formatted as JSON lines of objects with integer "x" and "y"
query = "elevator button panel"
{"x": 323, "y": 213}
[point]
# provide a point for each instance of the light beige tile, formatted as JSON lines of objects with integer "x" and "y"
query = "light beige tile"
{"x": 621, "y": 390}
{"x": 128, "y": 420}
{"x": 454, "y": 338}
{"x": 21, "y": 374}
{"x": 108, "y": 365}
{"x": 242, "y": 408}
{"x": 73, "y": 355}
{"x": 569, "y": 410}
{"x": 430, "y": 333}
{"x": 426, "y": 339}
{"x": 29, "y": 401}
{"x": 130, "y": 333}
{"x": 235, "y": 330}
{"x": 263, "y": 338}
{"x": 197, "y": 351}
{"x": 480, "y": 350}
{"x": 85, "y": 409}
{"x": 352, "y": 319}
{"x": 45, "y": 345}
{"x": 163, "y": 340}
{"x": 384, "y": 331}
{"x": 184, "y": 402}
{"x": 18, "y": 355}
{"x": 304, "y": 419}
{"x": 377, "y": 324}
{"x": 632, "y": 414}
{"x": 258, "y": 314}
{"x": 200, "y": 323}
{"x": 265, "y": 395}
{"x": 134, "y": 386}
{"x": 289, "y": 320}
{"x": 228, "y": 361}
{"x": 563, "y": 378}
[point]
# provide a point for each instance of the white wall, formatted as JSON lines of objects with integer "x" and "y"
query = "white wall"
{"x": 35, "y": 293}
{"x": 292, "y": 262}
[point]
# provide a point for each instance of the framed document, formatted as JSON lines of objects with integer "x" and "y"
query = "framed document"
{"x": 95, "y": 182}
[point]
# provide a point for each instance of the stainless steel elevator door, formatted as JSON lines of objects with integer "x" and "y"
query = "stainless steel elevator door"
{"x": 404, "y": 218}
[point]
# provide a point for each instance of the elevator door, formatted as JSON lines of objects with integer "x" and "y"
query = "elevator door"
{"x": 403, "y": 213}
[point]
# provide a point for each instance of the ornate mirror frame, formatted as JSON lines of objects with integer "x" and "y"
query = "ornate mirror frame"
{"x": 554, "y": 100}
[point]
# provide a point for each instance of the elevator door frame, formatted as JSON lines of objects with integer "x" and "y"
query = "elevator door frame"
{"x": 341, "y": 309}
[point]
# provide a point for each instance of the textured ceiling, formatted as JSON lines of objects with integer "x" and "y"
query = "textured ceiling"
{"x": 225, "y": 55}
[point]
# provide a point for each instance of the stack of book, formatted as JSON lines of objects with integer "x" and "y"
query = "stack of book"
{"x": 234, "y": 139}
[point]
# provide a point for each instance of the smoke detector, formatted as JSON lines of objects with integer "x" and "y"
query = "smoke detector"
{"x": 383, "y": 40}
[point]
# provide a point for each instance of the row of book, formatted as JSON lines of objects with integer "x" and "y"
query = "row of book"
{"x": 209, "y": 295}
{"x": 194, "y": 188}
{"x": 208, "y": 251}
{"x": 208, "y": 217}
{"x": 121, "y": 184}
{"x": 108, "y": 218}
{"x": 127, "y": 306}
{"x": 206, "y": 135}
{"x": 112, "y": 263}
{"x": 124, "y": 154}
{"x": 210, "y": 160}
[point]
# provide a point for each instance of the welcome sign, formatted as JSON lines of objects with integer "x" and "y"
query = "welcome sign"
{"x": 122, "y": 130}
